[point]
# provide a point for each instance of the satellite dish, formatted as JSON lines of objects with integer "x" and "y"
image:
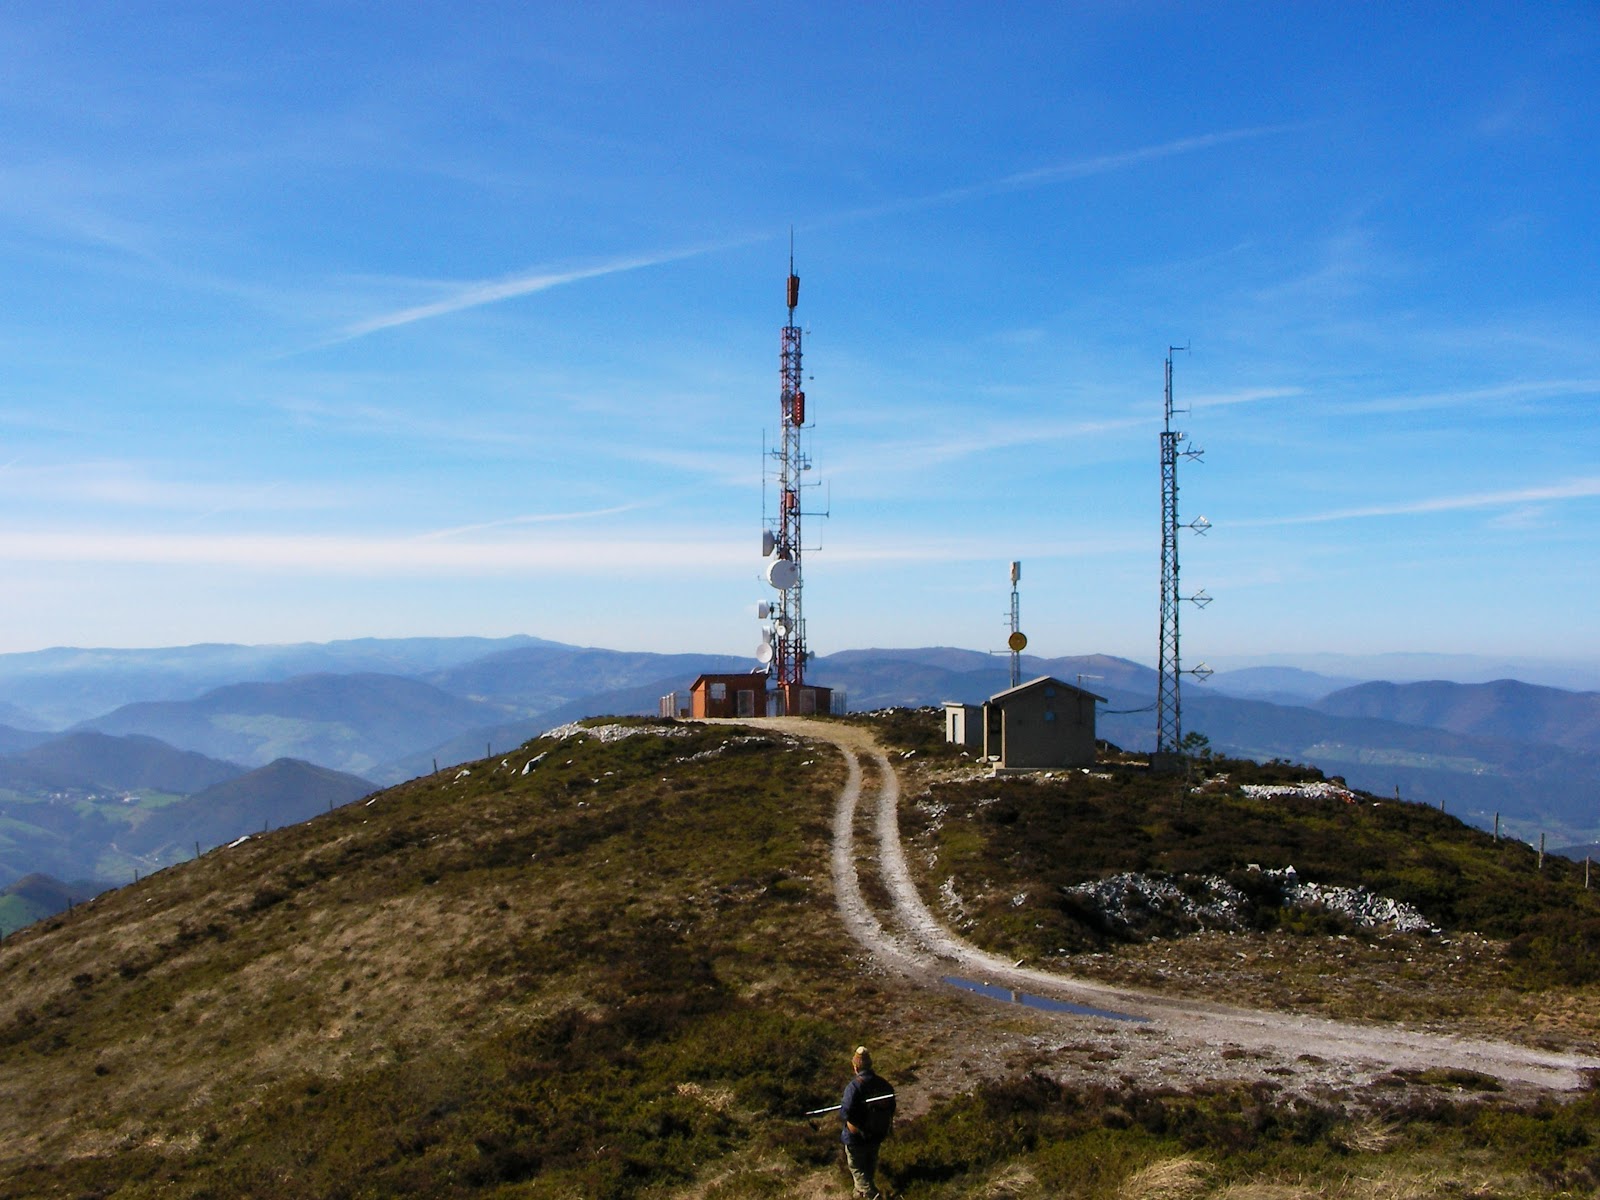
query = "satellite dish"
{"x": 763, "y": 611}
{"x": 783, "y": 574}
{"x": 764, "y": 653}
{"x": 1018, "y": 641}
{"x": 768, "y": 543}
{"x": 781, "y": 629}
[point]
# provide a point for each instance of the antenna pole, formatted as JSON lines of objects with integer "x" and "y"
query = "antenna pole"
{"x": 1016, "y": 641}
{"x": 1169, "y": 707}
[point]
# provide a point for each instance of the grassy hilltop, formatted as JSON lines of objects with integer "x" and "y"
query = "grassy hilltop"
{"x": 608, "y": 966}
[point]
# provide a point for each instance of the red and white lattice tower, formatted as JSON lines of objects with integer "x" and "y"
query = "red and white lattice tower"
{"x": 784, "y": 642}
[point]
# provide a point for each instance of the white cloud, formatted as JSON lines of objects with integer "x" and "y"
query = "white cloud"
{"x": 1576, "y": 489}
{"x": 1080, "y": 168}
{"x": 490, "y": 291}
{"x": 127, "y": 485}
{"x": 1242, "y": 396}
{"x": 1519, "y": 390}
{"x": 371, "y": 555}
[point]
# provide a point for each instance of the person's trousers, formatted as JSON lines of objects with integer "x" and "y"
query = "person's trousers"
{"x": 862, "y": 1159}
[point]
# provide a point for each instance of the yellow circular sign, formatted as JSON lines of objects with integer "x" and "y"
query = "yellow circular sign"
{"x": 1018, "y": 641}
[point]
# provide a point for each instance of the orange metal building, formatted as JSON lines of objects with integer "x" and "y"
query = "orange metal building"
{"x": 729, "y": 695}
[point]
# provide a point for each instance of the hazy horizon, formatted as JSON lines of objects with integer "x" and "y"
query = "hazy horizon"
{"x": 1396, "y": 667}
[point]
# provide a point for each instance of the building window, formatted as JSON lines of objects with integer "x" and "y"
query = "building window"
{"x": 719, "y": 691}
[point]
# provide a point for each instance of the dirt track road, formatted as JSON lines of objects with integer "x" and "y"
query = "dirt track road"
{"x": 1172, "y": 1037}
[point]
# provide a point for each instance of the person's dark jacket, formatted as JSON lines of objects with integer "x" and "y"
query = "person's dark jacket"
{"x": 853, "y": 1109}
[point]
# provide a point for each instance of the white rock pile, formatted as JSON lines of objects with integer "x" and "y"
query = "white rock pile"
{"x": 1133, "y": 904}
{"x": 615, "y": 733}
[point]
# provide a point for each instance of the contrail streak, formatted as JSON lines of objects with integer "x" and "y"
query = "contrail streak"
{"x": 483, "y": 292}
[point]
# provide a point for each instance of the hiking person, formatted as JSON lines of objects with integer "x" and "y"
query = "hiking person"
{"x": 866, "y": 1113}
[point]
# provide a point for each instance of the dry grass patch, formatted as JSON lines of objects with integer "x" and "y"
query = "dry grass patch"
{"x": 1169, "y": 1179}
{"x": 1014, "y": 1181}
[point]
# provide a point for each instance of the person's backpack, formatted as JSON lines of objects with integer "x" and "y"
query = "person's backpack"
{"x": 877, "y": 1116}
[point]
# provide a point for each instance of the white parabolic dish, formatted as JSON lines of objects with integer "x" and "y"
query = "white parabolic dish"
{"x": 782, "y": 574}
{"x": 764, "y": 652}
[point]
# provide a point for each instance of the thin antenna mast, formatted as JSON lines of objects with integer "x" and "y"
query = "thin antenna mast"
{"x": 1018, "y": 641}
{"x": 1169, "y": 708}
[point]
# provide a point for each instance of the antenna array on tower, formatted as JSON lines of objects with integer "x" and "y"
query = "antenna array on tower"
{"x": 783, "y": 645}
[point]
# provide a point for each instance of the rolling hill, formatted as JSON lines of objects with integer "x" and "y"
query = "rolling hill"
{"x": 65, "y": 685}
{"x": 93, "y": 806}
{"x": 533, "y": 680}
{"x": 350, "y": 723}
{"x": 281, "y": 793}
{"x": 614, "y": 968}
{"x": 89, "y": 760}
{"x": 1505, "y": 710}
{"x": 1526, "y": 753}
{"x": 35, "y": 897}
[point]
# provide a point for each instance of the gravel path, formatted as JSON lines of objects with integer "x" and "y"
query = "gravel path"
{"x": 1185, "y": 1036}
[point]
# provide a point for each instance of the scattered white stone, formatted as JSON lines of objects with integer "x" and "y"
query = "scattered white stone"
{"x": 1132, "y": 902}
{"x": 1318, "y": 789}
{"x": 616, "y": 733}
{"x": 1357, "y": 904}
{"x": 950, "y": 899}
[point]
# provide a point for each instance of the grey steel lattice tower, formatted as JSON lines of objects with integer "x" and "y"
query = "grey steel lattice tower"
{"x": 782, "y": 540}
{"x": 1169, "y": 714}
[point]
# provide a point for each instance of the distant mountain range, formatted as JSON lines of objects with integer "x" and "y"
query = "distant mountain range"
{"x": 352, "y": 723}
{"x": 284, "y": 792}
{"x": 1574, "y": 675}
{"x": 90, "y": 760}
{"x": 191, "y": 744}
{"x": 1504, "y": 710}
{"x": 99, "y": 809}
{"x": 52, "y": 689}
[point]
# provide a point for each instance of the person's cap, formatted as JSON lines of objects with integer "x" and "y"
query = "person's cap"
{"x": 861, "y": 1056}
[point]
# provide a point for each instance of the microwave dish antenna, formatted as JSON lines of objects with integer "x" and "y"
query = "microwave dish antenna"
{"x": 783, "y": 574}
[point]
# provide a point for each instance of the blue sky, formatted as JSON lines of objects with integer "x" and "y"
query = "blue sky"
{"x": 322, "y": 321}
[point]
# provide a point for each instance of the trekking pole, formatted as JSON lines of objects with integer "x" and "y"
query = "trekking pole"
{"x": 817, "y": 1112}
